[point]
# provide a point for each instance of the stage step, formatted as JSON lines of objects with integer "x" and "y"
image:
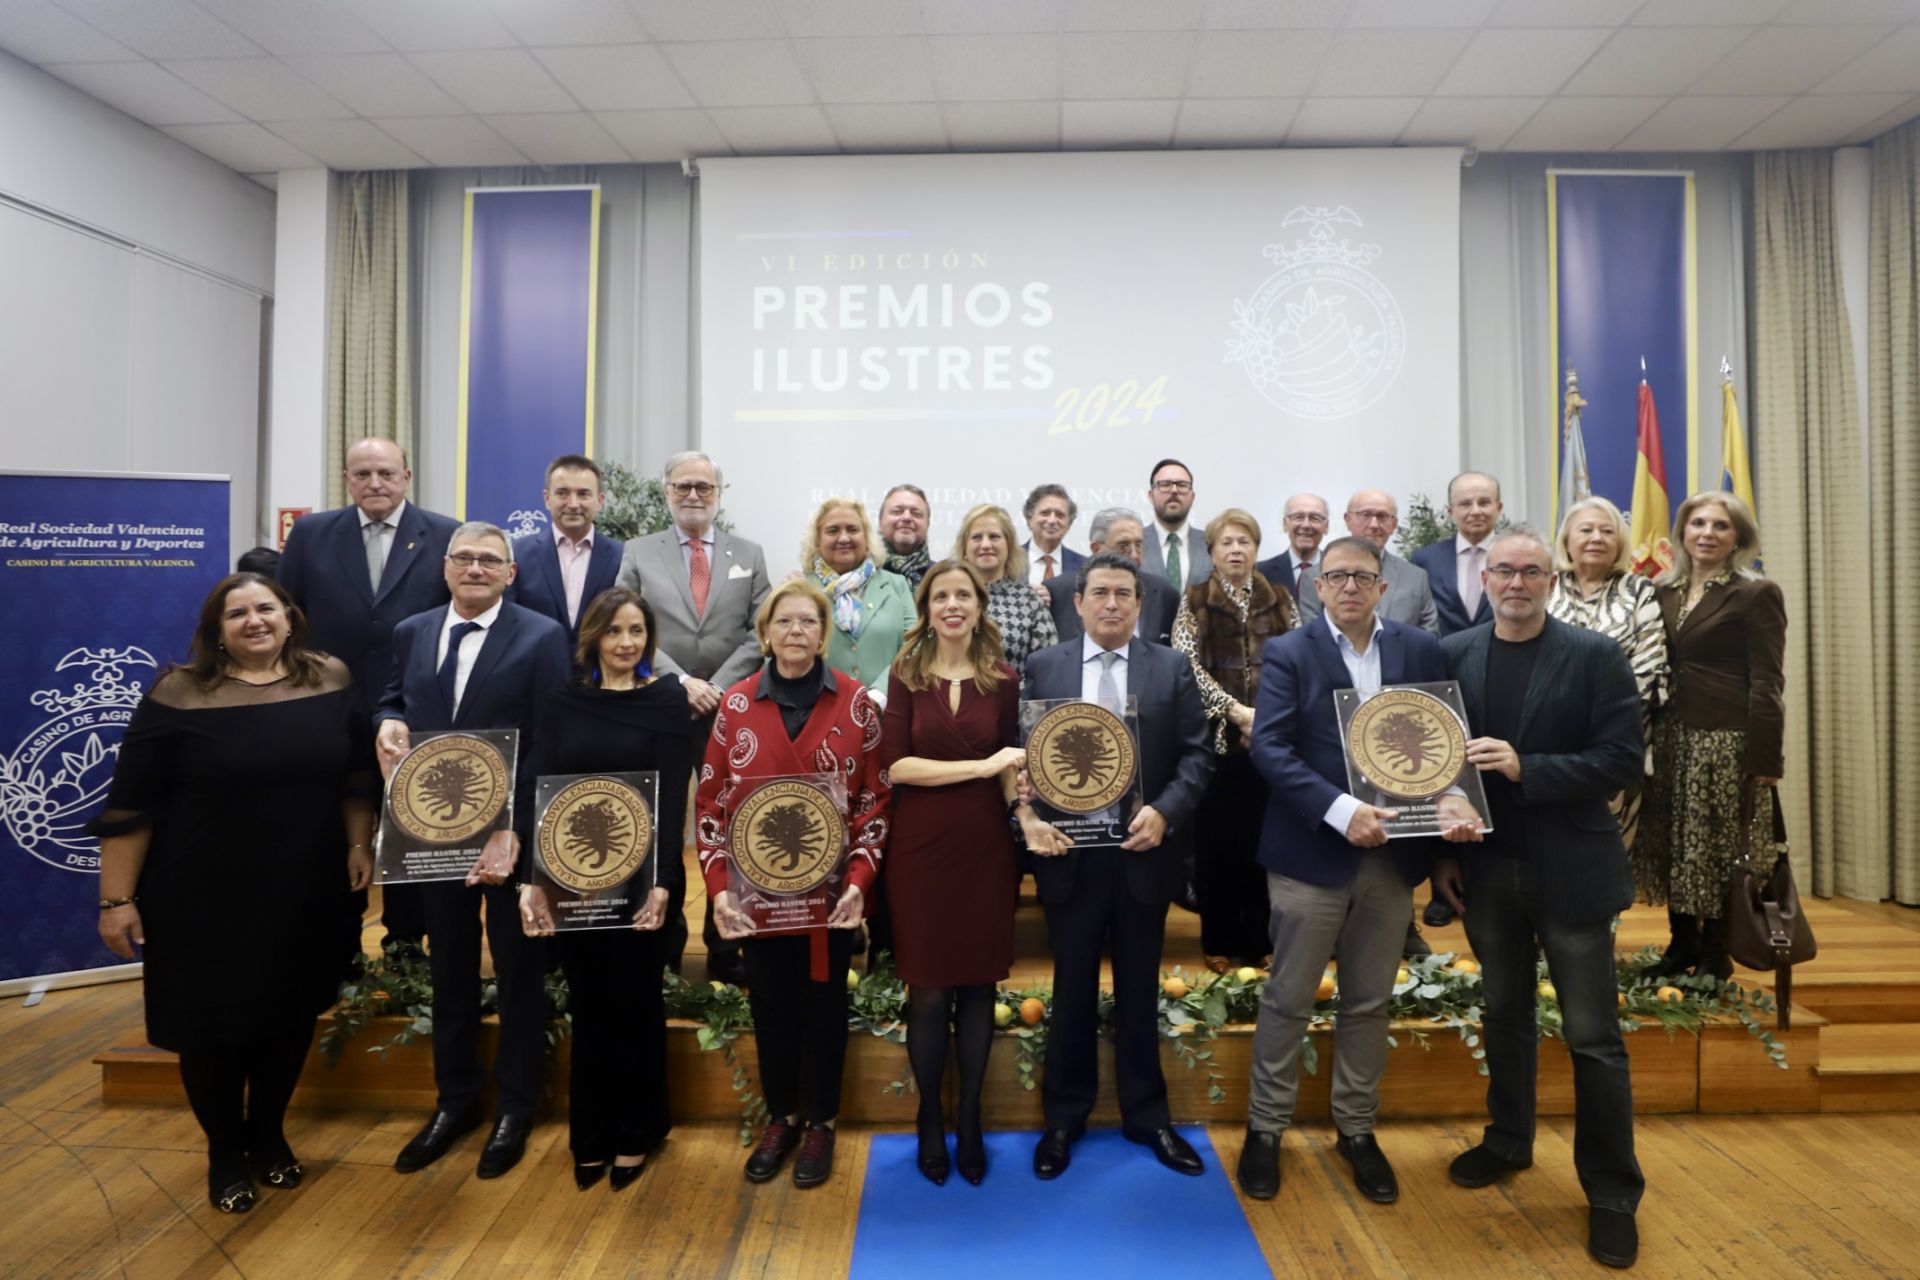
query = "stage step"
{"x": 1870, "y": 1067}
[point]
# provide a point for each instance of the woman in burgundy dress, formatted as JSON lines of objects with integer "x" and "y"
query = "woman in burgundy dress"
{"x": 952, "y": 722}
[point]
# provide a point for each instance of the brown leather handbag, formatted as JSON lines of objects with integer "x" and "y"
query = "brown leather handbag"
{"x": 1765, "y": 927}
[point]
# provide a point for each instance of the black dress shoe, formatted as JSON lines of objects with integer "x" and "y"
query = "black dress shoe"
{"x": 1260, "y": 1165}
{"x": 278, "y": 1168}
{"x": 587, "y": 1175}
{"x": 776, "y": 1143}
{"x": 622, "y": 1176}
{"x": 1415, "y": 946}
{"x": 1612, "y": 1237}
{"x": 932, "y": 1157}
{"x": 1371, "y": 1171}
{"x": 971, "y": 1157}
{"x": 432, "y": 1142}
{"x": 1053, "y": 1155}
{"x": 1482, "y": 1167}
{"x": 1189, "y": 899}
{"x": 229, "y": 1189}
{"x": 1169, "y": 1148}
{"x": 814, "y": 1164}
{"x": 1438, "y": 915}
{"x": 505, "y": 1145}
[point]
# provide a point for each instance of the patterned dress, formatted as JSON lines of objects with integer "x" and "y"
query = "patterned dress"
{"x": 1022, "y": 616}
{"x": 1627, "y": 610}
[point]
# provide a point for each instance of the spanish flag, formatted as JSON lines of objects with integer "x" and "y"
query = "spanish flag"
{"x": 1735, "y": 477}
{"x": 1652, "y": 521}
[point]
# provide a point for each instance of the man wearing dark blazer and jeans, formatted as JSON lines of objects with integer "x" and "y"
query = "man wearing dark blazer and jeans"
{"x": 1557, "y": 722}
{"x": 1116, "y": 897}
{"x": 479, "y": 663}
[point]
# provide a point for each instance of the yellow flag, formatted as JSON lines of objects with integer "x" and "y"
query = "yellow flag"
{"x": 1735, "y": 477}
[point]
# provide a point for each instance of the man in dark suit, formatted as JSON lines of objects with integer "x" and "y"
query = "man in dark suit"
{"x": 1174, "y": 550}
{"x": 1050, "y": 511}
{"x": 357, "y": 573}
{"x": 1116, "y": 530}
{"x": 478, "y": 663}
{"x": 1116, "y": 898}
{"x": 1335, "y": 885}
{"x": 1305, "y": 519}
{"x": 1558, "y": 725}
{"x": 560, "y": 571}
{"x": 1455, "y": 566}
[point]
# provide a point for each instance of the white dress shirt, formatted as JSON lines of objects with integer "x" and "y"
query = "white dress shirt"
{"x": 393, "y": 529}
{"x": 686, "y": 553}
{"x": 1090, "y": 668}
{"x": 1469, "y": 559}
{"x": 573, "y": 568}
{"x": 469, "y": 647}
{"x": 1364, "y": 670}
{"x": 1036, "y": 567}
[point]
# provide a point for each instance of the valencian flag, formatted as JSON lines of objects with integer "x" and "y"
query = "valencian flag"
{"x": 1576, "y": 486}
{"x": 1652, "y": 522}
{"x": 1735, "y": 477}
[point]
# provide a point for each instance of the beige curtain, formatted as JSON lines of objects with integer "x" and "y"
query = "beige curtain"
{"x": 1810, "y": 484}
{"x": 370, "y": 340}
{"x": 1893, "y": 400}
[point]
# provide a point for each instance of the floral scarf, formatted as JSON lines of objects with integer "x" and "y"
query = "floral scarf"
{"x": 849, "y": 610}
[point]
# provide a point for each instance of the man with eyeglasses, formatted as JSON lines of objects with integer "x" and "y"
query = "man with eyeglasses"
{"x": 1305, "y": 520}
{"x": 1175, "y": 550}
{"x": 481, "y": 662}
{"x": 1456, "y": 566}
{"x": 357, "y": 573}
{"x": 1374, "y": 515}
{"x": 1118, "y": 530}
{"x": 1557, "y": 722}
{"x": 705, "y": 586}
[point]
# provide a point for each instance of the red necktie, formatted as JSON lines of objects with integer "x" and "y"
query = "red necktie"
{"x": 699, "y": 575}
{"x": 1046, "y": 573}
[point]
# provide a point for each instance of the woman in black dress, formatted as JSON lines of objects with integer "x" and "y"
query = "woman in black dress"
{"x": 241, "y": 811}
{"x": 619, "y": 718}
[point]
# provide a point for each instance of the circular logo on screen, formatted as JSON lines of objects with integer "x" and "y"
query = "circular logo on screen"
{"x": 787, "y": 837}
{"x": 1407, "y": 743}
{"x": 1321, "y": 337}
{"x": 449, "y": 788}
{"x": 1080, "y": 758}
{"x": 595, "y": 835}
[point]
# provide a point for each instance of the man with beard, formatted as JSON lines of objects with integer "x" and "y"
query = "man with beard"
{"x": 904, "y": 517}
{"x": 1175, "y": 550}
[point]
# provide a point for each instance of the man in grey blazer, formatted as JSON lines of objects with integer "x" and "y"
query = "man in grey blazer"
{"x": 705, "y": 587}
{"x": 1170, "y": 489}
{"x": 1374, "y": 515}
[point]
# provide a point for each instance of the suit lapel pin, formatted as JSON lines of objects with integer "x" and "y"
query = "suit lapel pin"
{"x": 409, "y": 546}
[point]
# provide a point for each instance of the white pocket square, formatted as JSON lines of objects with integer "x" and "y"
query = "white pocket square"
{"x": 739, "y": 571}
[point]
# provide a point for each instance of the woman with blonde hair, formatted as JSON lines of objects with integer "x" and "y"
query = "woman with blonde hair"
{"x": 871, "y": 606}
{"x": 1594, "y": 587}
{"x": 988, "y": 544}
{"x": 1720, "y": 732}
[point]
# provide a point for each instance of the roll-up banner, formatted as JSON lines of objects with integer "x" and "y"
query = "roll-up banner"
{"x": 101, "y": 579}
{"x": 528, "y": 302}
{"x": 1621, "y": 275}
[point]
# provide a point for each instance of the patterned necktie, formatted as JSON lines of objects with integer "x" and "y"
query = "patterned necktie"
{"x": 377, "y": 551}
{"x": 1109, "y": 690}
{"x": 1174, "y": 574}
{"x": 699, "y": 575}
{"x": 451, "y": 663}
{"x": 1046, "y": 562}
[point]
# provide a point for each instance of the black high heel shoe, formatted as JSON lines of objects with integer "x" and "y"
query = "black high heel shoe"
{"x": 624, "y": 1175}
{"x": 971, "y": 1157}
{"x": 933, "y": 1153}
{"x": 585, "y": 1175}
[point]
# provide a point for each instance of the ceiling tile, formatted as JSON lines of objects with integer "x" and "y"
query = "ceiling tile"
{"x": 1638, "y": 61}
{"x": 1132, "y": 15}
{"x": 1003, "y": 126}
{"x": 1125, "y": 64}
{"x": 740, "y": 72}
{"x": 163, "y": 28}
{"x": 1563, "y": 13}
{"x": 296, "y": 26}
{"x": 1117, "y": 124}
{"x": 347, "y": 144}
{"x": 616, "y": 77}
{"x": 453, "y": 140}
{"x": 962, "y": 17}
{"x": 1516, "y": 61}
{"x": 1272, "y": 15}
{"x": 1582, "y": 124}
{"x": 1487, "y": 123}
{"x": 146, "y": 91}
{"x": 427, "y": 26}
{"x": 1402, "y": 14}
{"x": 894, "y": 126}
{"x": 567, "y": 22}
{"x": 1892, "y": 66}
{"x": 651, "y": 136}
{"x": 1787, "y": 59}
{"x": 1703, "y": 13}
{"x": 1892, "y": 120}
{"x": 995, "y": 67}
{"x": 1350, "y": 121}
{"x": 1700, "y": 124}
{"x": 261, "y": 88}
{"x": 1233, "y": 122}
{"x": 559, "y": 137}
{"x": 1824, "y": 120}
{"x": 1369, "y": 63}
{"x": 377, "y": 84}
{"x": 754, "y": 131}
{"x": 849, "y": 17}
{"x": 1824, "y": 11}
{"x": 501, "y": 81}
{"x": 247, "y": 148}
{"x": 41, "y": 32}
{"x": 707, "y": 19}
{"x": 1256, "y": 64}
{"x": 867, "y": 68}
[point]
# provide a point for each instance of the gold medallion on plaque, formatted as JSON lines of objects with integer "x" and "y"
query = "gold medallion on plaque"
{"x": 1407, "y": 743}
{"x": 449, "y": 788}
{"x": 595, "y": 834}
{"x": 1080, "y": 758}
{"x": 787, "y": 837}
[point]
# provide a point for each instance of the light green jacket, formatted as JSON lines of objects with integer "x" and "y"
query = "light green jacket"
{"x": 889, "y": 602}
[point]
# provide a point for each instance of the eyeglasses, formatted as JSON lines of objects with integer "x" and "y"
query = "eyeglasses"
{"x": 688, "y": 488}
{"x": 466, "y": 560}
{"x": 793, "y": 624}
{"x": 1372, "y": 514}
{"x": 1507, "y": 573}
{"x": 1174, "y": 486}
{"x": 1339, "y": 578}
{"x": 1306, "y": 517}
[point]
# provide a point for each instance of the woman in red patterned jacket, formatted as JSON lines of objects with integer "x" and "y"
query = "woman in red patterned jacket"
{"x": 797, "y": 716}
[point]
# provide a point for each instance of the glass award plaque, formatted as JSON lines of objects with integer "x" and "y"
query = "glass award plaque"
{"x": 787, "y": 848}
{"x": 444, "y": 798}
{"x": 1083, "y": 762}
{"x": 1406, "y": 749}
{"x": 594, "y": 842}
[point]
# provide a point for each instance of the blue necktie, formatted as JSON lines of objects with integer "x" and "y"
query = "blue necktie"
{"x": 451, "y": 663}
